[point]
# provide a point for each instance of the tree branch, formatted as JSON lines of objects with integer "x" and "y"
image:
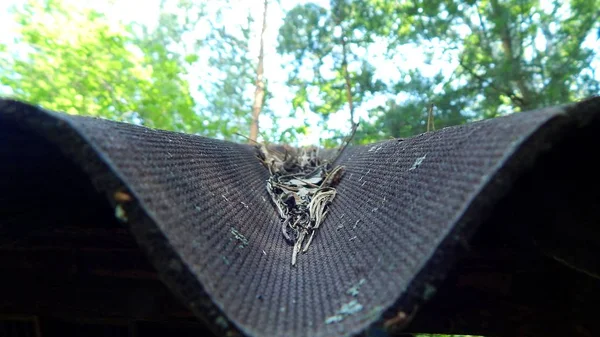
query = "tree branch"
{"x": 259, "y": 93}
{"x": 507, "y": 46}
{"x": 348, "y": 82}
{"x": 430, "y": 121}
{"x": 345, "y": 73}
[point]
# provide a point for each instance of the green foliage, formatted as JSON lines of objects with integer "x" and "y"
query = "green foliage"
{"x": 313, "y": 37}
{"x": 504, "y": 56}
{"x": 194, "y": 72}
{"x": 221, "y": 61}
{"x": 77, "y": 60}
{"x": 512, "y": 55}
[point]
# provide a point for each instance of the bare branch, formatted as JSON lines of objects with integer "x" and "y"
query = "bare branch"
{"x": 430, "y": 122}
{"x": 348, "y": 83}
{"x": 259, "y": 93}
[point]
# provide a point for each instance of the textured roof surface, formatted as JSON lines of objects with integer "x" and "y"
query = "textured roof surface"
{"x": 199, "y": 208}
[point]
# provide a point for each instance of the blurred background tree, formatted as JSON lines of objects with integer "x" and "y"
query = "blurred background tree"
{"x": 192, "y": 66}
{"x": 495, "y": 57}
{"x": 76, "y": 60}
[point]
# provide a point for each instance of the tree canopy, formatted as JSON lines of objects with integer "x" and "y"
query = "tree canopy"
{"x": 76, "y": 60}
{"x": 398, "y": 67}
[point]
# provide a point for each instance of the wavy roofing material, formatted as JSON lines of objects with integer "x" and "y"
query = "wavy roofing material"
{"x": 405, "y": 212}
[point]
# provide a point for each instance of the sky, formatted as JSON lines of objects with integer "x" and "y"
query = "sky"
{"x": 146, "y": 11}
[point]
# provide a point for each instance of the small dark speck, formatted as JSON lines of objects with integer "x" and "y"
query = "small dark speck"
{"x": 400, "y": 139}
{"x": 259, "y": 297}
